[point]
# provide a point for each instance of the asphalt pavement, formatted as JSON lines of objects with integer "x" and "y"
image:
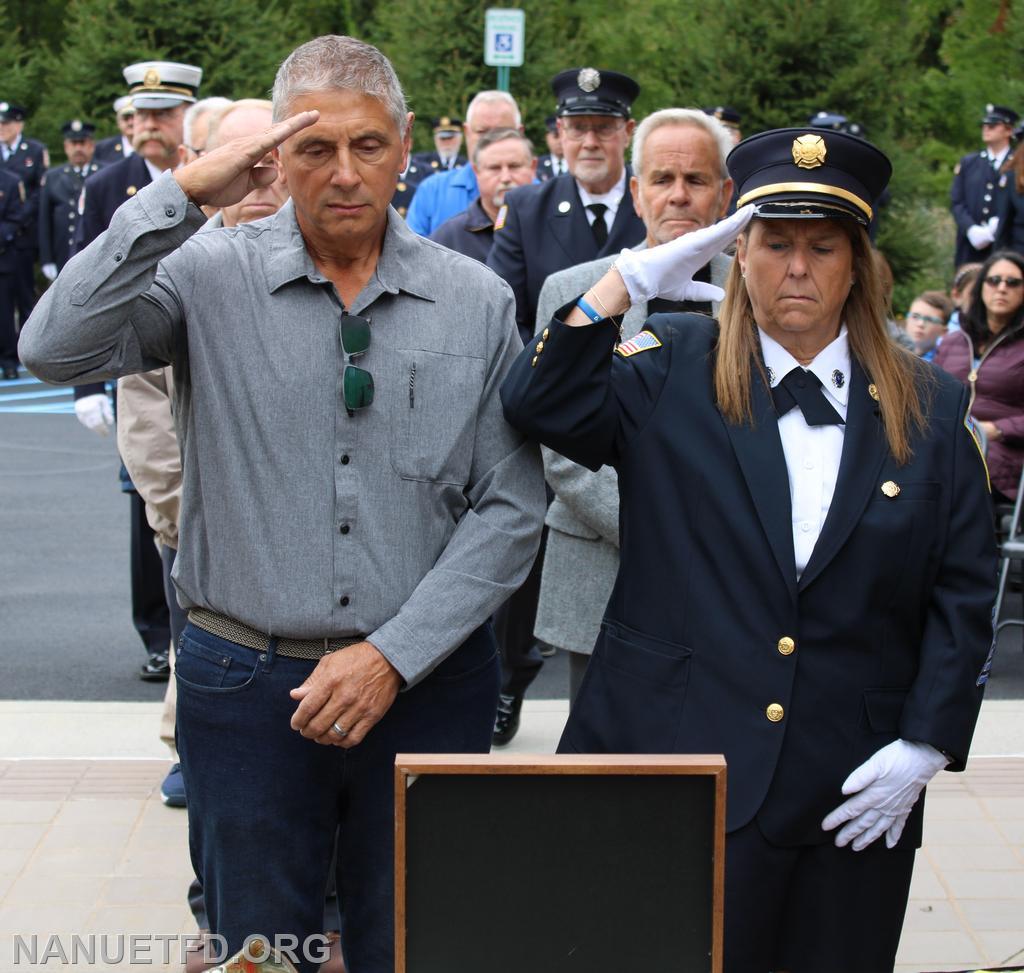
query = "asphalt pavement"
{"x": 65, "y": 608}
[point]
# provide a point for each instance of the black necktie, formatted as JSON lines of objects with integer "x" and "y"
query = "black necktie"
{"x": 599, "y": 228}
{"x": 803, "y": 388}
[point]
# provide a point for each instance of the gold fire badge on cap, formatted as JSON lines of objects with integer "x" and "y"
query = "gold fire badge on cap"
{"x": 809, "y": 151}
{"x": 151, "y": 78}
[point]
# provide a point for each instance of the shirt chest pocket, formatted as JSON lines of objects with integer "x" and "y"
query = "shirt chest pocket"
{"x": 433, "y": 422}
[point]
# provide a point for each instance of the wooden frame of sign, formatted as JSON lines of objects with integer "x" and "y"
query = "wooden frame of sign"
{"x": 559, "y": 864}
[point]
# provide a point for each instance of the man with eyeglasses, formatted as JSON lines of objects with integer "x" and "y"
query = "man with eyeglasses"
{"x": 582, "y": 215}
{"x": 978, "y": 185}
{"x": 159, "y": 90}
{"x": 927, "y": 322}
{"x": 354, "y": 505}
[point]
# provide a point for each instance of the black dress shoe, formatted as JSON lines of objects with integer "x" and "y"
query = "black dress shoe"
{"x": 506, "y": 723}
{"x": 156, "y": 668}
{"x": 10, "y": 373}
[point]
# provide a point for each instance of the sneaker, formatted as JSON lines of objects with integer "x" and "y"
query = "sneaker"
{"x": 172, "y": 790}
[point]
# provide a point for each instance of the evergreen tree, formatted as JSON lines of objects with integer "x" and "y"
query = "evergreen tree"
{"x": 237, "y": 44}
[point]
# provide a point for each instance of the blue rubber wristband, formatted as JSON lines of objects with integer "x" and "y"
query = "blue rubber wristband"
{"x": 589, "y": 311}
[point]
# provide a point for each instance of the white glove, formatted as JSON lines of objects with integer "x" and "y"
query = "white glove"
{"x": 886, "y": 788}
{"x": 50, "y": 272}
{"x": 94, "y": 413}
{"x": 980, "y": 235}
{"x": 993, "y": 227}
{"x": 667, "y": 270}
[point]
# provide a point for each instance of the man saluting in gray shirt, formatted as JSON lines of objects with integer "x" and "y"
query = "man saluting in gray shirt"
{"x": 354, "y": 505}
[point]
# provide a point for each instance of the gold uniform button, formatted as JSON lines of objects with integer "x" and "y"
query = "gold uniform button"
{"x": 545, "y": 333}
{"x": 540, "y": 347}
{"x": 786, "y": 646}
{"x": 775, "y": 712}
{"x": 533, "y": 364}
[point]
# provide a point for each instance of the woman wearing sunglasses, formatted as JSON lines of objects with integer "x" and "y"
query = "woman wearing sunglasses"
{"x": 988, "y": 355}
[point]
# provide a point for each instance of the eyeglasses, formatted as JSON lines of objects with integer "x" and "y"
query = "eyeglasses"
{"x": 926, "y": 318}
{"x": 1012, "y": 282}
{"x": 356, "y": 383}
{"x": 577, "y": 131}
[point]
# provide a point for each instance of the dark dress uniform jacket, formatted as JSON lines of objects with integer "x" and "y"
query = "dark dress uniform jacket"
{"x": 974, "y": 198}
{"x": 28, "y": 163}
{"x": 546, "y": 229}
{"x": 11, "y": 203}
{"x": 58, "y": 212}
{"x": 890, "y": 621}
{"x": 109, "y": 150}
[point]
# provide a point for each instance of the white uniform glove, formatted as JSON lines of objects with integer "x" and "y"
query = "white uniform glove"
{"x": 993, "y": 227}
{"x": 94, "y": 412}
{"x": 50, "y": 272}
{"x": 667, "y": 270}
{"x": 980, "y": 235}
{"x": 885, "y": 789}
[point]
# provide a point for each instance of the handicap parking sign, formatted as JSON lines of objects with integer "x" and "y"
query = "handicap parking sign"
{"x": 503, "y": 42}
{"x": 504, "y": 30}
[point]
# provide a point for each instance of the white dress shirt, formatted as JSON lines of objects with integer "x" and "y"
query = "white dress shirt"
{"x": 154, "y": 172}
{"x": 9, "y": 150}
{"x": 611, "y": 199}
{"x": 812, "y": 452}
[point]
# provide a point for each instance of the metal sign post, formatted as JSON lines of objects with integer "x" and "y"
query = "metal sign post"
{"x": 504, "y": 41}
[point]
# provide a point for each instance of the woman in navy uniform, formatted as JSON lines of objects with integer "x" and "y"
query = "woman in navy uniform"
{"x": 807, "y": 555}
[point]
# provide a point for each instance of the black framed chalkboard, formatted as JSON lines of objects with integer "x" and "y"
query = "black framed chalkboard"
{"x": 559, "y": 864}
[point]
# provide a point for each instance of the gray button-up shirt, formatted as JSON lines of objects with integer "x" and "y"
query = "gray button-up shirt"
{"x": 409, "y": 521}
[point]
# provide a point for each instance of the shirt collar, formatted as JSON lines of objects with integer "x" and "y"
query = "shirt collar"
{"x": 12, "y": 147}
{"x": 154, "y": 172}
{"x": 831, "y": 365}
{"x": 997, "y": 160}
{"x": 477, "y": 218}
{"x": 611, "y": 199}
{"x": 400, "y": 266}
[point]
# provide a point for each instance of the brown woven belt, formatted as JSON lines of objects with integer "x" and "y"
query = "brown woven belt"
{"x": 227, "y": 628}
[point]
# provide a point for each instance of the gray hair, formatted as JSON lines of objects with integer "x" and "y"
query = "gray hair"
{"x": 194, "y": 112}
{"x": 213, "y": 132}
{"x": 338, "y": 63}
{"x": 692, "y": 117}
{"x": 488, "y": 97}
{"x": 500, "y": 135}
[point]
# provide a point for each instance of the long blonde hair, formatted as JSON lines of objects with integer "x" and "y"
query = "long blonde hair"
{"x": 894, "y": 371}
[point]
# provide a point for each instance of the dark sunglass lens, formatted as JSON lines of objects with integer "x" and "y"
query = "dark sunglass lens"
{"x": 355, "y": 334}
{"x": 357, "y": 387}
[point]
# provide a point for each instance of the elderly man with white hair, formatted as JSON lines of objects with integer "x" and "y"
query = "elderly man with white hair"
{"x": 679, "y": 184}
{"x": 354, "y": 505}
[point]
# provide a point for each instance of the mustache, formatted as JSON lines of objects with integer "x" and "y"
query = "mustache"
{"x": 152, "y": 135}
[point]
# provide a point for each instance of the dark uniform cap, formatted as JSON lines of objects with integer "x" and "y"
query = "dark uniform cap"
{"x": 11, "y": 113}
{"x": 726, "y": 115}
{"x": 835, "y": 122}
{"x": 799, "y": 173}
{"x": 77, "y": 131}
{"x": 551, "y": 123}
{"x": 447, "y": 123}
{"x": 587, "y": 91}
{"x": 999, "y": 115}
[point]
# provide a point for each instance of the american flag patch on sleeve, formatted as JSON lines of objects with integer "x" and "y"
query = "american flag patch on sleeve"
{"x": 644, "y": 341}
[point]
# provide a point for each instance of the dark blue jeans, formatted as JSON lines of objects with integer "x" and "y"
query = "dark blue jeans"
{"x": 264, "y": 803}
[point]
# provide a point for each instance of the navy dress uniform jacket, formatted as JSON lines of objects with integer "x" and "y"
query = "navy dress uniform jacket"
{"x": 28, "y": 163}
{"x": 546, "y": 229}
{"x": 109, "y": 150}
{"x": 11, "y": 203}
{"x": 974, "y": 198}
{"x": 890, "y": 624}
{"x": 58, "y": 212}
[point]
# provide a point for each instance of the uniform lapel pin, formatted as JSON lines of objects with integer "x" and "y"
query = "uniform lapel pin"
{"x": 891, "y": 489}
